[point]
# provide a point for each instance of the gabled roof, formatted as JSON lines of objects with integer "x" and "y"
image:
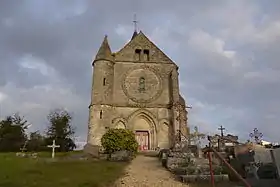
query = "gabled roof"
{"x": 142, "y": 41}
{"x": 134, "y": 34}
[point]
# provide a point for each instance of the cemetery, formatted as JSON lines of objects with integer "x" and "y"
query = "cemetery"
{"x": 224, "y": 161}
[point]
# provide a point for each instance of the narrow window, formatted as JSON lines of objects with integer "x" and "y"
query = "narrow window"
{"x": 100, "y": 114}
{"x": 146, "y": 55}
{"x": 138, "y": 54}
{"x": 104, "y": 81}
{"x": 142, "y": 84}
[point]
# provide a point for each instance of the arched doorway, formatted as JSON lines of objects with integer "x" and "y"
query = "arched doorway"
{"x": 142, "y": 129}
{"x": 142, "y": 123}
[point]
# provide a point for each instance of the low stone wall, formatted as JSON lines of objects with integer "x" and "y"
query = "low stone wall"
{"x": 203, "y": 178}
{"x": 262, "y": 155}
{"x": 190, "y": 169}
{"x": 276, "y": 153}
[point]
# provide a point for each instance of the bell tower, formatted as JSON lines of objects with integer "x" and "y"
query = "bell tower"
{"x": 102, "y": 92}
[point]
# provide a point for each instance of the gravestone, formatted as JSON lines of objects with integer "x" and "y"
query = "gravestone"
{"x": 195, "y": 139}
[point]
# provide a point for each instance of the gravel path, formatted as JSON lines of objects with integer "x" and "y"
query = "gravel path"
{"x": 147, "y": 171}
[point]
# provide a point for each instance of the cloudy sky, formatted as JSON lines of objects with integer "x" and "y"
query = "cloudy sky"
{"x": 228, "y": 53}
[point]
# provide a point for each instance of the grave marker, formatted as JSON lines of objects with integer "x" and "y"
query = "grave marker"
{"x": 196, "y": 138}
{"x": 53, "y": 146}
{"x": 256, "y": 135}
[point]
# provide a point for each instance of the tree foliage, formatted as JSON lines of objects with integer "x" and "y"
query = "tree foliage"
{"x": 118, "y": 140}
{"x": 60, "y": 129}
{"x": 12, "y": 133}
{"x": 36, "y": 142}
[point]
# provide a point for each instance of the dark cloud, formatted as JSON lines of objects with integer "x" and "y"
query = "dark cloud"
{"x": 227, "y": 52}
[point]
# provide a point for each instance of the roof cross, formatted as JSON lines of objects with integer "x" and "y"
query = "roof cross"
{"x": 135, "y": 23}
{"x": 222, "y": 130}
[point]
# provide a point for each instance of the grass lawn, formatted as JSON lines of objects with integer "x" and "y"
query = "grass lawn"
{"x": 28, "y": 172}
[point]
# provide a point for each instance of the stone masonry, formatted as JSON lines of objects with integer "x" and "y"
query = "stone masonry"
{"x": 136, "y": 88}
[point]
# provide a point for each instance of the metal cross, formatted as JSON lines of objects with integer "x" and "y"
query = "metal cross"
{"x": 221, "y": 128}
{"x": 256, "y": 135}
{"x": 135, "y": 22}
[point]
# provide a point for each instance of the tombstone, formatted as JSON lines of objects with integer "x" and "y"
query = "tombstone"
{"x": 197, "y": 137}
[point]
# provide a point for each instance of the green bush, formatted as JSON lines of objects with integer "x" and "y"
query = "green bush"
{"x": 119, "y": 140}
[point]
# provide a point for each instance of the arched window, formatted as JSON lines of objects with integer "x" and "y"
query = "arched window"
{"x": 100, "y": 114}
{"x": 137, "y": 54}
{"x": 146, "y": 55}
{"x": 142, "y": 84}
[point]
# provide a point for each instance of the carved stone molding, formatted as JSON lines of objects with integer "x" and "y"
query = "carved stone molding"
{"x": 154, "y": 86}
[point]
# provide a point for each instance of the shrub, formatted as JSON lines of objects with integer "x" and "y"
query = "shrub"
{"x": 119, "y": 140}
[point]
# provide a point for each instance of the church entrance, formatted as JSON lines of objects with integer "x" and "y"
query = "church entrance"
{"x": 142, "y": 137}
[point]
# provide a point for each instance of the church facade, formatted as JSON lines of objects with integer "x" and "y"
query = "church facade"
{"x": 136, "y": 88}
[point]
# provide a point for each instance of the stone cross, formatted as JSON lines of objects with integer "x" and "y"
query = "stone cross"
{"x": 135, "y": 22}
{"x": 53, "y": 146}
{"x": 197, "y": 136}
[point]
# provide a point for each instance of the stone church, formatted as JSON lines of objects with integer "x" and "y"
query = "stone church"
{"x": 137, "y": 88}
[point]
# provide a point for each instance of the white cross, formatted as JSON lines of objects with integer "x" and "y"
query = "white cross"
{"x": 53, "y": 146}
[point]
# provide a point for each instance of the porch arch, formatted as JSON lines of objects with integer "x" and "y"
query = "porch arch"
{"x": 143, "y": 120}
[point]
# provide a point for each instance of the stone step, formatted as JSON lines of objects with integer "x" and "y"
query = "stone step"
{"x": 195, "y": 178}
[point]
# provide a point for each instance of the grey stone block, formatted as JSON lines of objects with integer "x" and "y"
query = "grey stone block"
{"x": 92, "y": 150}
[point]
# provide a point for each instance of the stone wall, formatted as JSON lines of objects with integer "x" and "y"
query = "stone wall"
{"x": 262, "y": 155}
{"x": 157, "y": 119}
{"x": 276, "y": 153}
